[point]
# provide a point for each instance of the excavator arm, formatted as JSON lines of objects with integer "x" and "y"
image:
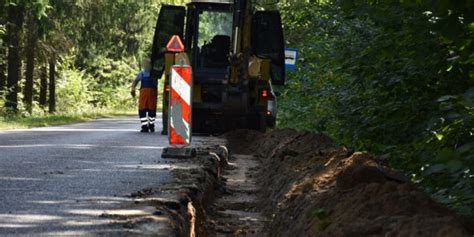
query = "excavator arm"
{"x": 241, "y": 36}
{"x": 256, "y": 35}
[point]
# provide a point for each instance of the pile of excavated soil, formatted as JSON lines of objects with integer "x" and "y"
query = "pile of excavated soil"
{"x": 310, "y": 187}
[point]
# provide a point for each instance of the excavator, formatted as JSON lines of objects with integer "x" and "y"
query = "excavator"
{"x": 237, "y": 54}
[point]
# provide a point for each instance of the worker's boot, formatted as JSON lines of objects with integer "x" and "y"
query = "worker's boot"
{"x": 143, "y": 121}
{"x": 151, "y": 121}
{"x": 144, "y": 129}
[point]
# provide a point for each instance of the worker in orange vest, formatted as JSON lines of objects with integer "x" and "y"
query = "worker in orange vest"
{"x": 148, "y": 97}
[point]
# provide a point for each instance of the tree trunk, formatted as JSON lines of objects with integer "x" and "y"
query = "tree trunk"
{"x": 3, "y": 67}
{"x": 52, "y": 86}
{"x": 3, "y": 52}
{"x": 43, "y": 87}
{"x": 30, "y": 64}
{"x": 15, "y": 22}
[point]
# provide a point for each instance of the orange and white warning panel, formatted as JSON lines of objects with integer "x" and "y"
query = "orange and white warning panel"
{"x": 180, "y": 106}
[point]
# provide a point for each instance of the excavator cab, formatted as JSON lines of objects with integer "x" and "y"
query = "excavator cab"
{"x": 236, "y": 54}
{"x": 210, "y": 39}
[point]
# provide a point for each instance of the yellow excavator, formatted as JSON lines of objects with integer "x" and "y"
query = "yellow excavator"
{"x": 237, "y": 54}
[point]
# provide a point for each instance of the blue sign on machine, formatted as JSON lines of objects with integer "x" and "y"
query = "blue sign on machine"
{"x": 291, "y": 56}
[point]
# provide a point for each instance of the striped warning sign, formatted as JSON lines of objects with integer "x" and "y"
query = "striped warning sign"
{"x": 180, "y": 105}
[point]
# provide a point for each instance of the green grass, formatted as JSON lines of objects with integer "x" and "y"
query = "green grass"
{"x": 18, "y": 121}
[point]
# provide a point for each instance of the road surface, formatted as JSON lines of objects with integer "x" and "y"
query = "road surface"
{"x": 62, "y": 180}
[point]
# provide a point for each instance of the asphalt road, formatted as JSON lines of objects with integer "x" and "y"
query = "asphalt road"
{"x": 62, "y": 180}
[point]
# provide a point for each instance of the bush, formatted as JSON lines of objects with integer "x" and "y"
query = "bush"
{"x": 74, "y": 92}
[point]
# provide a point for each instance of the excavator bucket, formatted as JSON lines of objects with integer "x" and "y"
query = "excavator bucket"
{"x": 268, "y": 42}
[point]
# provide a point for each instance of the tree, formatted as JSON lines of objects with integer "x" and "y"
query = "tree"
{"x": 52, "y": 85}
{"x": 3, "y": 65}
{"x": 54, "y": 38}
{"x": 14, "y": 29}
{"x": 43, "y": 92}
{"x": 30, "y": 53}
{"x": 3, "y": 51}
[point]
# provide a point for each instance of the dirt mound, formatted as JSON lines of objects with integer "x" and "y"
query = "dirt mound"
{"x": 241, "y": 140}
{"x": 310, "y": 187}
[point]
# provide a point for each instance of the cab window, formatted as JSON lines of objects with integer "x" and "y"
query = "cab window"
{"x": 214, "y": 38}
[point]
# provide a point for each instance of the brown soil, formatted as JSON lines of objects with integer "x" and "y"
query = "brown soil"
{"x": 310, "y": 187}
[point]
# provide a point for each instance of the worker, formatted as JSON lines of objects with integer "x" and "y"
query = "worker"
{"x": 148, "y": 97}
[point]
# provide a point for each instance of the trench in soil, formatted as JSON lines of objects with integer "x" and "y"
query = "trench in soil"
{"x": 235, "y": 210}
{"x": 289, "y": 183}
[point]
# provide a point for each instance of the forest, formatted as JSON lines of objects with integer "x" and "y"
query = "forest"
{"x": 393, "y": 77}
{"x": 71, "y": 57}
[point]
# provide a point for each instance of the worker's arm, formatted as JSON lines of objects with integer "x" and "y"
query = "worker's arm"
{"x": 134, "y": 86}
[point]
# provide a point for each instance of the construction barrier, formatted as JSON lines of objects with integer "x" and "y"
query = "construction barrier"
{"x": 180, "y": 105}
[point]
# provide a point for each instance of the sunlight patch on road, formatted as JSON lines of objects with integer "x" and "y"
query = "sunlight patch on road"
{"x": 16, "y": 226}
{"x": 67, "y": 129}
{"x": 103, "y": 199}
{"x": 161, "y": 166}
{"x": 18, "y": 179}
{"x": 8, "y": 219}
{"x": 81, "y": 146}
{"x": 48, "y": 202}
{"x": 127, "y": 212}
{"x": 86, "y": 212}
{"x": 86, "y": 223}
{"x": 105, "y": 213}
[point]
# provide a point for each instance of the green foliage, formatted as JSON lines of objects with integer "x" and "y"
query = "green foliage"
{"x": 2, "y": 32}
{"x": 114, "y": 29}
{"x": 104, "y": 84}
{"x": 212, "y": 24}
{"x": 392, "y": 77}
{"x": 73, "y": 91}
{"x": 111, "y": 80}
